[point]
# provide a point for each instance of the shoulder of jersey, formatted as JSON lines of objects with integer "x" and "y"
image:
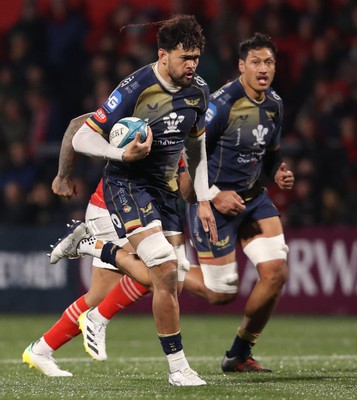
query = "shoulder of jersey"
{"x": 273, "y": 94}
{"x": 224, "y": 90}
{"x": 140, "y": 75}
{"x": 199, "y": 78}
{"x": 200, "y": 82}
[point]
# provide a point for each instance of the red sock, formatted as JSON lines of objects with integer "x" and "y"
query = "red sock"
{"x": 67, "y": 326}
{"x": 126, "y": 292}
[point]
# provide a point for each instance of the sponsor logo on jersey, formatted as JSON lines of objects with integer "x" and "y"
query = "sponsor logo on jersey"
{"x": 191, "y": 103}
{"x": 222, "y": 243}
{"x": 154, "y": 107}
{"x": 122, "y": 196}
{"x": 238, "y": 137}
{"x": 210, "y": 113}
{"x": 113, "y": 101}
{"x": 252, "y": 158}
{"x": 199, "y": 80}
{"x": 126, "y": 81}
{"x": 126, "y": 208}
{"x": 218, "y": 93}
{"x": 146, "y": 210}
{"x": 172, "y": 122}
{"x": 259, "y": 132}
{"x": 100, "y": 116}
{"x": 275, "y": 95}
{"x": 166, "y": 142}
{"x": 132, "y": 87}
{"x": 270, "y": 114}
{"x": 116, "y": 221}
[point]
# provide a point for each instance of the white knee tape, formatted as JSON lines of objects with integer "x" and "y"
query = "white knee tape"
{"x": 155, "y": 250}
{"x": 221, "y": 278}
{"x": 266, "y": 249}
{"x": 183, "y": 264}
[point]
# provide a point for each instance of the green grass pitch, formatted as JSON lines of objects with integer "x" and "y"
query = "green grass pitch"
{"x": 312, "y": 358}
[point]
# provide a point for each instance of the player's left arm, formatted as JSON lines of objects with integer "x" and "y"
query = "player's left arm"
{"x": 284, "y": 178}
{"x": 184, "y": 182}
{"x": 62, "y": 184}
{"x": 277, "y": 169}
{"x": 196, "y": 161}
{"x": 273, "y": 163}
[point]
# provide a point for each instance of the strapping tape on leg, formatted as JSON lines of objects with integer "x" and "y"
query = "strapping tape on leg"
{"x": 266, "y": 249}
{"x": 155, "y": 250}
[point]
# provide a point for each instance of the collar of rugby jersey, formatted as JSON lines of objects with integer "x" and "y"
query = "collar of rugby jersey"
{"x": 171, "y": 88}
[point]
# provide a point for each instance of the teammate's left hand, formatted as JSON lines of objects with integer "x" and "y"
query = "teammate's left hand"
{"x": 64, "y": 187}
{"x": 206, "y": 216}
{"x": 284, "y": 178}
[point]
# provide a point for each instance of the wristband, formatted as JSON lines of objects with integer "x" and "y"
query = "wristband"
{"x": 213, "y": 191}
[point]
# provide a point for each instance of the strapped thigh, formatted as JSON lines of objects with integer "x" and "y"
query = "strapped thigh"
{"x": 266, "y": 249}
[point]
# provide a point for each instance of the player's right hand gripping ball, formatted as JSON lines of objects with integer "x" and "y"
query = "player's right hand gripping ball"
{"x": 124, "y": 131}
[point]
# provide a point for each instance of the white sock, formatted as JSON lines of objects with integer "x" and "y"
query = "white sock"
{"x": 177, "y": 361}
{"x": 96, "y": 316}
{"x": 41, "y": 347}
{"x": 87, "y": 246}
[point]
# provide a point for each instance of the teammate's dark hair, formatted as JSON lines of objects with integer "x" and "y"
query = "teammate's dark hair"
{"x": 257, "y": 41}
{"x": 181, "y": 29}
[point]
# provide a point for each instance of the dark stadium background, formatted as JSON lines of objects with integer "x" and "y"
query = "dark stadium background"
{"x": 59, "y": 59}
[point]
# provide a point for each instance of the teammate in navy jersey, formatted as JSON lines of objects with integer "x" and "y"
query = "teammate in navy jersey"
{"x": 244, "y": 122}
{"x": 138, "y": 180}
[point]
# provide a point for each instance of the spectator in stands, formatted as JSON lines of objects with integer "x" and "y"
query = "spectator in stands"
{"x": 303, "y": 211}
{"x": 42, "y": 206}
{"x": 66, "y": 53}
{"x": 13, "y": 121}
{"x": 13, "y": 209}
{"x": 20, "y": 168}
{"x": 317, "y": 77}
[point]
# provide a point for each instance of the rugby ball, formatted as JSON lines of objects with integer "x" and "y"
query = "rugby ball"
{"x": 124, "y": 131}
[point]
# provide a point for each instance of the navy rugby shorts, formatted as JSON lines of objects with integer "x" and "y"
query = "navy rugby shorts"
{"x": 132, "y": 205}
{"x": 259, "y": 208}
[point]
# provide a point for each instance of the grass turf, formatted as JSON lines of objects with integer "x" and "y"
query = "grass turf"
{"x": 312, "y": 358}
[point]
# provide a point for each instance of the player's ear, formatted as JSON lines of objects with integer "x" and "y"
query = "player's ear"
{"x": 163, "y": 56}
{"x": 241, "y": 66}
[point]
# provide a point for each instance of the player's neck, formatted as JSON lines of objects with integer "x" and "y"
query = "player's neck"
{"x": 258, "y": 97}
{"x": 169, "y": 86}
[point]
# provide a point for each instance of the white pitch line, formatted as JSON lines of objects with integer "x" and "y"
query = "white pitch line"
{"x": 302, "y": 358}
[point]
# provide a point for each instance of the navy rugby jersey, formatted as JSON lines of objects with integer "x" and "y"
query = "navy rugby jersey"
{"x": 239, "y": 131}
{"x": 171, "y": 116}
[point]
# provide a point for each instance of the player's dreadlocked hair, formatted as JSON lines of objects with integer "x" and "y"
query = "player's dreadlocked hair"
{"x": 257, "y": 41}
{"x": 180, "y": 29}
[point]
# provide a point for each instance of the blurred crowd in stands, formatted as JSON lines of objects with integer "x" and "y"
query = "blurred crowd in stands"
{"x": 62, "y": 58}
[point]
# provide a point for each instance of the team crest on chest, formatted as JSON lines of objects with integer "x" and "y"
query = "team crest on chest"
{"x": 172, "y": 122}
{"x": 259, "y": 132}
